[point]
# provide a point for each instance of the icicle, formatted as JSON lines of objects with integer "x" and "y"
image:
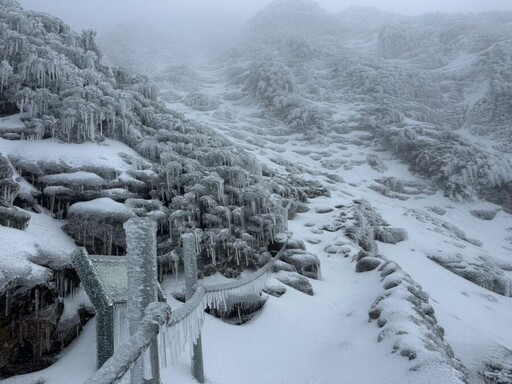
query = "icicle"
{"x": 47, "y": 338}
{"x": 148, "y": 373}
{"x": 186, "y": 324}
{"x": 7, "y": 301}
{"x": 121, "y": 333}
{"x": 162, "y": 347}
{"x": 36, "y": 302}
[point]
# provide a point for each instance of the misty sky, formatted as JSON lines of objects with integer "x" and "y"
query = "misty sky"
{"x": 96, "y": 13}
{"x": 193, "y": 29}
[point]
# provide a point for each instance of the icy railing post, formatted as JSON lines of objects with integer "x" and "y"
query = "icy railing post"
{"x": 157, "y": 315}
{"x": 142, "y": 287}
{"x": 190, "y": 264}
{"x": 102, "y": 303}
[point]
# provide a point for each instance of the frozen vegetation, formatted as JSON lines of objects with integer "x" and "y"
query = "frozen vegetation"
{"x": 377, "y": 146}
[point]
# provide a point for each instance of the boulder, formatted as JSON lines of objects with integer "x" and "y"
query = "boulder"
{"x": 484, "y": 214}
{"x": 239, "y": 309}
{"x": 295, "y": 281}
{"x": 306, "y": 263}
{"x": 98, "y": 225}
{"x": 367, "y": 264}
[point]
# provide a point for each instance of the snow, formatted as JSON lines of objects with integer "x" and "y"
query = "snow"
{"x": 21, "y": 250}
{"x": 79, "y": 178}
{"x": 18, "y": 248}
{"x": 104, "y": 154}
{"x": 324, "y": 338}
{"x": 11, "y": 123}
{"x": 101, "y": 208}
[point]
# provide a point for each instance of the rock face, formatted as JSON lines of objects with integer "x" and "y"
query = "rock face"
{"x": 98, "y": 224}
{"x": 239, "y": 309}
{"x": 34, "y": 327}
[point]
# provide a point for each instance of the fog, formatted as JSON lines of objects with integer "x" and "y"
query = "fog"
{"x": 230, "y": 13}
{"x": 192, "y": 27}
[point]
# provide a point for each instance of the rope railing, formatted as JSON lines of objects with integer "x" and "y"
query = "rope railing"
{"x": 187, "y": 321}
{"x": 217, "y": 294}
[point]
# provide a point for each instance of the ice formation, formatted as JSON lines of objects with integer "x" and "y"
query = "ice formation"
{"x": 187, "y": 320}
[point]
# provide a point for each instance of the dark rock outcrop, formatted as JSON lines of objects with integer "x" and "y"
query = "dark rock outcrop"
{"x": 239, "y": 309}
{"x": 33, "y": 326}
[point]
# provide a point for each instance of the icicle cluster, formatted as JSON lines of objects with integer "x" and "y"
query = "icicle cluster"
{"x": 185, "y": 326}
{"x": 121, "y": 326}
{"x": 187, "y": 320}
{"x": 216, "y": 295}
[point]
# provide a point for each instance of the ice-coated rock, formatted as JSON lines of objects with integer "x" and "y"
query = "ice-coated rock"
{"x": 295, "y": 281}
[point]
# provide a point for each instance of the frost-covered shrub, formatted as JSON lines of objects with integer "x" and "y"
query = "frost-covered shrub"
{"x": 289, "y": 18}
{"x": 47, "y": 70}
{"x": 297, "y": 50}
{"x": 270, "y": 82}
{"x": 492, "y": 113}
{"x": 200, "y": 101}
{"x": 453, "y": 163}
{"x": 67, "y": 91}
{"x": 432, "y": 40}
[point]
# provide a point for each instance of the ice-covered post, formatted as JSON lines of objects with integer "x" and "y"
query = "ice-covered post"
{"x": 102, "y": 303}
{"x": 190, "y": 264}
{"x": 142, "y": 285}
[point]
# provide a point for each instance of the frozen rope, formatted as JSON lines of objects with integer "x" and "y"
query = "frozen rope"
{"x": 185, "y": 326}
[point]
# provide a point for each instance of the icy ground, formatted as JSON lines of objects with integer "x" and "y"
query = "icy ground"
{"x": 327, "y": 338}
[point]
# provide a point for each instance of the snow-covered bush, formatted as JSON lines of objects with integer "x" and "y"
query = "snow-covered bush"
{"x": 200, "y": 101}
{"x": 66, "y": 90}
{"x": 48, "y": 70}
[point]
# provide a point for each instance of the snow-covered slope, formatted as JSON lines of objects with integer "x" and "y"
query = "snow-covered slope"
{"x": 416, "y": 282}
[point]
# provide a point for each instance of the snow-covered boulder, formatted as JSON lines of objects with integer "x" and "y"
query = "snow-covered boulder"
{"x": 306, "y": 263}
{"x": 296, "y": 281}
{"x": 484, "y": 214}
{"x": 367, "y": 264}
{"x": 98, "y": 225}
{"x": 480, "y": 270}
{"x": 239, "y": 309}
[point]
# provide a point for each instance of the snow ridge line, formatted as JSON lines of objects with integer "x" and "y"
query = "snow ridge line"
{"x": 403, "y": 313}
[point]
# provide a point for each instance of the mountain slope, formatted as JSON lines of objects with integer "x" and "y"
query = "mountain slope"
{"x": 416, "y": 279}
